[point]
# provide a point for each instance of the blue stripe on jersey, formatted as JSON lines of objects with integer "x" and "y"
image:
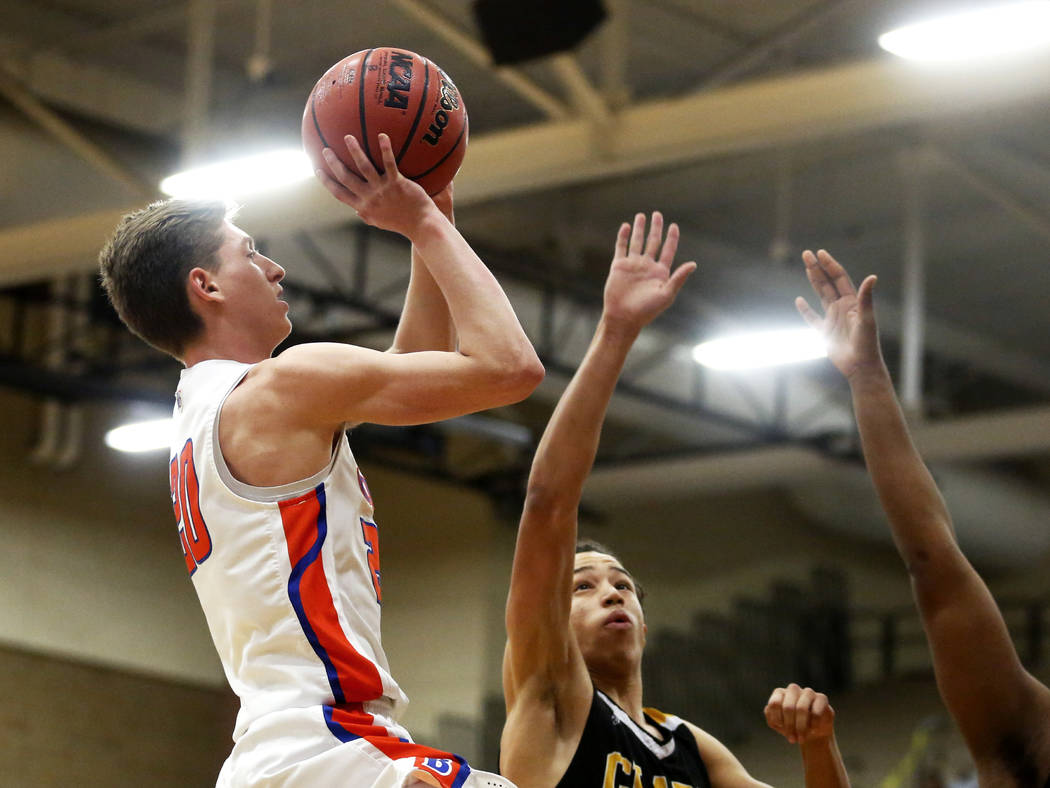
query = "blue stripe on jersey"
{"x": 337, "y": 730}
{"x": 312, "y": 555}
{"x": 464, "y": 772}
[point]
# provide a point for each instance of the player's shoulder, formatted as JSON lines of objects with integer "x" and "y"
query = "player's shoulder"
{"x": 313, "y": 355}
{"x": 302, "y": 366}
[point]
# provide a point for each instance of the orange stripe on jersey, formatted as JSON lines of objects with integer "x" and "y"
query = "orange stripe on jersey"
{"x": 352, "y": 677}
{"x": 351, "y": 722}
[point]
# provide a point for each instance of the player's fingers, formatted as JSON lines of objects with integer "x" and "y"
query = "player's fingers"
{"x": 836, "y": 273}
{"x": 361, "y": 159}
{"x": 621, "y": 241}
{"x": 656, "y": 231}
{"x": 338, "y": 190}
{"x": 802, "y": 712}
{"x": 791, "y": 692}
{"x": 821, "y": 707}
{"x": 670, "y": 247}
{"x": 678, "y": 277}
{"x": 338, "y": 170}
{"x": 813, "y": 320}
{"x": 866, "y": 295}
{"x": 386, "y": 153}
{"x": 775, "y": 710}
{"x": 637, "y": 234}
{"x": 818, "y": 280}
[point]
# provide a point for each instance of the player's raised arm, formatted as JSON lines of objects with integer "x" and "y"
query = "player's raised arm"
{"x": 990, "y": 695}
{"x": 425, "y": 322}
{"x": 494, "y": 363}
{"x": 545, "y": 678}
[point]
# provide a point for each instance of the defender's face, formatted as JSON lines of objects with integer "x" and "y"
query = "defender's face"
{"x": 250, "y": 281}
{"x": 606, "y": 615}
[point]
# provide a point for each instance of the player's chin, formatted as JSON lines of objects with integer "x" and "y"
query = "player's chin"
{"x": 284, "y": 332}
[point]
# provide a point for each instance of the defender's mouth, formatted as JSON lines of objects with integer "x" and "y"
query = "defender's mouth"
{"x": 618, "y": 619}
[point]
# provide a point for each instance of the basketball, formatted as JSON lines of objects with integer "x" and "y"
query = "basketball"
{"x": 396, "y": 92}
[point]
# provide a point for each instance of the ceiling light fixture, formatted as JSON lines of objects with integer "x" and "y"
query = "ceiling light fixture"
{"x": 141, "y": 436}
{"x": 761, "y": 349}
{"x": 240, "y": 177}
{"x": 979, "y": 33}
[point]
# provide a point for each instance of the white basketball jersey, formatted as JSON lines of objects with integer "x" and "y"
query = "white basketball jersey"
{"x": 288, "y": 576}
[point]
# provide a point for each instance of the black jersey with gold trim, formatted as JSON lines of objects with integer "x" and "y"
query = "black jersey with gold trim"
{"x": 615, "y": 752}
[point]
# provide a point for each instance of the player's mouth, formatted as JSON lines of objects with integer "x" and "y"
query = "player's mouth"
{"x": 618, "y": 620}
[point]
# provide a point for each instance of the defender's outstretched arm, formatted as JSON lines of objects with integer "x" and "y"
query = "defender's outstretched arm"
{"x": 980, "y": 677}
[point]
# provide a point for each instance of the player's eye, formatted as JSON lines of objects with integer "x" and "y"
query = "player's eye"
{"x": 582, "y": 586}
{"x": 624, "y": 586}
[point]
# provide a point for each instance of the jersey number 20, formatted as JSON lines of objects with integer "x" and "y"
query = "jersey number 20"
{"x": 185, "y": 499}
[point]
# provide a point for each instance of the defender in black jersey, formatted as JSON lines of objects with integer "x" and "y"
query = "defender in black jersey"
{"x": 1002, "y": 711}
{"x": 614, "y": 750}
{"x": 576, "y": 630}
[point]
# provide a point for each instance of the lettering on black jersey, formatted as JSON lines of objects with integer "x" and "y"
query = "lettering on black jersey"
{"x": 621, "y": 772}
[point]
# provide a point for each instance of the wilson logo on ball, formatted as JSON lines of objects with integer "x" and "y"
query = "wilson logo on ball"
{"x": 449, "y": 103}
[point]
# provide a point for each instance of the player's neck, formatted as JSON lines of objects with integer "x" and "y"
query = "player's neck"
{"x": 225, "y": 345}
{"x": 624, "y": 690}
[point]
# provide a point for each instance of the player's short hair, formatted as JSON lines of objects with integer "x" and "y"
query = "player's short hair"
{"x": 145, "y": 263}
{"x": 591, "y": 546}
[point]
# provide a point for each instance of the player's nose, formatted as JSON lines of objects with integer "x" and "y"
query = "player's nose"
{"x": 612, "y": 596}
{"x": 276, "y": 271}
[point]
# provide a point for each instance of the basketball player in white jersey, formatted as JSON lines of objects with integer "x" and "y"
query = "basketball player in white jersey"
{"x": 1002, "y": 711}
{"x": 274, "y": 516}
{"x": 572, "y": 674}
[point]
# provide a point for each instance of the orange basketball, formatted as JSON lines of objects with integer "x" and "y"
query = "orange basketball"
{"x": 399, "y": 93}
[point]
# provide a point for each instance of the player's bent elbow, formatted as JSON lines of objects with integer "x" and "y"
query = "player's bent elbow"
{"x": 519, "y": 377}
{"x": 532, "y": 373}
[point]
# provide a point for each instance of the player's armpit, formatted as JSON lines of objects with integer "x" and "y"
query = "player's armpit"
{"x": 320, "y": 384}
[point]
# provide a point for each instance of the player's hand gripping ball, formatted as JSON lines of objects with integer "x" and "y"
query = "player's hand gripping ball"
{"x": 399, "y": 93}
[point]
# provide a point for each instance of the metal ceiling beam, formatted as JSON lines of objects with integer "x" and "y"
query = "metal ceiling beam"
{"x": 163, "y": 20}
{"x": 95, "y": 92}
{"x": 969, "y": 439}
{"x": 57, "y": 127}
{"x": 615, "y": 45}
{"x": 1036, "y": 221}
{"x": 782, "y": 38}
{"x": 754, "y": 116}
{"x": 200, "y": 55}
{"x": 585, "y": 97}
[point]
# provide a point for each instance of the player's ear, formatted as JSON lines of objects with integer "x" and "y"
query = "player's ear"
{"x": 201, "y": 285}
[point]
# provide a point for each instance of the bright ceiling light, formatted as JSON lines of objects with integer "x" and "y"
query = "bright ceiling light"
{"x": 240, "y": 177}
{"x": 761, "y": 349}
{"x": 980, "y": 33}
{"x": 141, "y": 436}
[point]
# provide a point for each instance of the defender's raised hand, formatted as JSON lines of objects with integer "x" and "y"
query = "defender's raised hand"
{"x": 848, "y": 324}
{"x": 387, "y": 200}
{"x": 641, "y": 284}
